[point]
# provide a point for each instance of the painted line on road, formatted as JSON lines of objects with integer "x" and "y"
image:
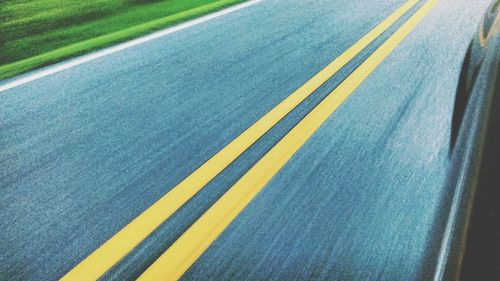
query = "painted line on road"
{"x": 118, "y": 246}
{"x": 58, "y": 67}
{"x": 172, "y": 264}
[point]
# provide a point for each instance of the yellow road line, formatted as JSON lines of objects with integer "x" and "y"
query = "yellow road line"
{"x": 118, "y": 246}
{"x": 188, "y": 248}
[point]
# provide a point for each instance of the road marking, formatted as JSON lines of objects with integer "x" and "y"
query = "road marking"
{"x": 118, "y": 246}
{"x": 172, "y": 264}
{"x": 58, "y": 67}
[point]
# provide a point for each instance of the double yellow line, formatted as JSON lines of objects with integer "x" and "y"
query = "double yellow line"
{"x": 187, "y": 249}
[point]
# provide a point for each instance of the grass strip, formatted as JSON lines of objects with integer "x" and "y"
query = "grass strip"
{"x": 85, "y": 46}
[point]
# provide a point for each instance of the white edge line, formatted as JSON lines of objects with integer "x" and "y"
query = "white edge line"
{"x": 122, "y": 46}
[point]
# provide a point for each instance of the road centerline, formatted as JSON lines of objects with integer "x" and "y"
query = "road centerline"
{"x": 124, "y": 241}
{"x": 177, "y": 259}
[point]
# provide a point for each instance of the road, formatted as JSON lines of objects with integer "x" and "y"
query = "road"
{"x": 86, "y": 150}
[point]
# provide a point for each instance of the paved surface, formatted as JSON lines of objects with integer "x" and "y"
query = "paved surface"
{"x": 84, "y": 151}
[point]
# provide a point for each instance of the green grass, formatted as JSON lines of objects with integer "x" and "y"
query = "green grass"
{"x": 34, "y": 33}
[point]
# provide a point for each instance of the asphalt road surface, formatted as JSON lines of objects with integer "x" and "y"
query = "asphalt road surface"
{"x": 86, "y": 150}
